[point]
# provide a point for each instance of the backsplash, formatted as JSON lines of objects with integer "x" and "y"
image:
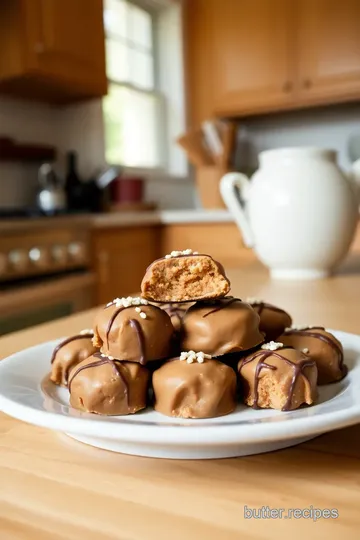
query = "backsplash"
{"x": 327, "y": 128}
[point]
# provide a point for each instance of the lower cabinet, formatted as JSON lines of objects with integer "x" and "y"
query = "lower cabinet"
{"x": 122, "y": 254}
{"x": 120, "y": 258}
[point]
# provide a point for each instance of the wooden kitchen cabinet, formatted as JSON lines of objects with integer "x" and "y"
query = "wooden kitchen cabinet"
{"x": 52, "y": 50}
{"x": 120, "y": 258}
{"x": 328, "y": 50}
{"x": 246, "y": 57}
{"x": 252, "y": 62}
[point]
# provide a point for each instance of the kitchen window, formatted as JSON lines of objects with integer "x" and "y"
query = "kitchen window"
{"x": 134, "y": 109}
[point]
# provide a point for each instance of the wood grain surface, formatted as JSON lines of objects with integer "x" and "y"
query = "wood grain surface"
{"x": 52, "y": 487}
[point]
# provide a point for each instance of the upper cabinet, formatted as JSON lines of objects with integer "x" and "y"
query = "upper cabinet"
{"x": 248, "y": 57}
{"x": 328, "y": 50}
{"x": 252, "y": 54}
{"x": 52, "y": 50}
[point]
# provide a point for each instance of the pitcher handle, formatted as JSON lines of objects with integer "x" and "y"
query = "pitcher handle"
{"x": 228, "y": 184}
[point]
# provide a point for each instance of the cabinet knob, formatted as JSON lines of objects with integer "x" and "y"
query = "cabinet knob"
{"x": 307, "y": 83}
{"x": 287, "y": 87}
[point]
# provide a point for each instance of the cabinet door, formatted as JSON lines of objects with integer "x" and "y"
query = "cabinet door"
{"x": 253, "y": 54}
{"x": 198, "y": 41}
{"x": 121, "y": 257}
{"x": 329, "y": 50}
{"x": 66, "y": 41}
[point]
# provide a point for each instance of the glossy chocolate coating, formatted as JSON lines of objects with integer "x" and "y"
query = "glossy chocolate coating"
{"x": 68, "y": 354}
{"x": 176, "y": 313}
{"x": 283, "y": 379}
{"x": 194, "y": 390}
{"x": 323, "y": 347}
{"x": 273, "y": 320}
{"x": 103, "y": 386}
{"x": 123, "y": 334}
{"x": 220, "y": 327}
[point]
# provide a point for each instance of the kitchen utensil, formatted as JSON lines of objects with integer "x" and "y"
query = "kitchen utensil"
{"x": 27, "y": 393}
{"x": 208, "y": 184}
{"x": 51, "y": 197}
{"x": 194, "y": 145}
{"x": 229, "y": 131}
{"x": 299, "y": 212}
{"x": 213, "y": 140}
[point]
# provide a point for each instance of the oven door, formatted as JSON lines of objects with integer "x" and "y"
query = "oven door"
{"x": 30, "y": 304}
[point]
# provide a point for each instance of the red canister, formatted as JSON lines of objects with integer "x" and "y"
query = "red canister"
{"x": 127, "y": 189}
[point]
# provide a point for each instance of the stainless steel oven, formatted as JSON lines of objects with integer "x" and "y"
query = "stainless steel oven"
{"x": 45, "y": 271}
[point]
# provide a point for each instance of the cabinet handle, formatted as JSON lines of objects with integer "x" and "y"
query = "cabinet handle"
{"x": 307, "y": 84}
{"x": 287, "y": 87}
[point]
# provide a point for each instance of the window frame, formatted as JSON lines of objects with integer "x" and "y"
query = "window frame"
{"x": 161, "y": 98}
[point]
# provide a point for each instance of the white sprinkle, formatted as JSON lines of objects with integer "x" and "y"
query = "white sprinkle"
{"x": 305, "y": 351}
{"x": 255, "y": 301}
{"x": 272, "y": 346}
{"x": 86, "y": 331}
{"x": 128, "y": 301}
{"x": 192, "y": 356}
{"x": 138, "y": 310}
{"x": 179, "y": 253}
{"x": 103, "y": 355}
{"x": 110, "y": 357}
{"x": 299, "y": 327}
{"x": 143, "y": 315}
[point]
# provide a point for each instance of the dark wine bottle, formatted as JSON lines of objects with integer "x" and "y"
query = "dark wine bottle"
{"x": 73, "y": 186}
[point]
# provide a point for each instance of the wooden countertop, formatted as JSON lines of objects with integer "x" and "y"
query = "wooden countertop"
{"x": 52, "y": 487}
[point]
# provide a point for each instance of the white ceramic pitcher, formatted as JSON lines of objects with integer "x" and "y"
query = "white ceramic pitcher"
{"x": 299, "y": 211}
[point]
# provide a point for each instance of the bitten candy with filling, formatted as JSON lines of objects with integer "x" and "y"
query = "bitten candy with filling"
{"x": 273, "y": 320}
{"x": 131, "y": 329}
{"x": 103, "y": 385}
{"x": 68, "y": 353}
{"x": 322, "y": 347}
{"x": 278, "y": 377}
{"x": 194, "y": 386}
{"x": 220, "y": 327}
{"x": 184, "y": 276}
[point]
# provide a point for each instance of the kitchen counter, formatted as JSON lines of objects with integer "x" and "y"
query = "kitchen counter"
{"x": 55, "y": 488}
{"x": 120, "y": 219}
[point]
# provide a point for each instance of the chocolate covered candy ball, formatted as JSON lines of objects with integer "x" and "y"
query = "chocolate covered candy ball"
{"x": 322, "y": 347}
{"x": 184, "y": 276}
{"x": 220, "y": 327}
{"x": 103, "y": 385}
{"x": 273, "y": 320}
{"x": 131, "y": 329}
{"x": 69, "y": 353}
{"x": 277, "y": 377}
{"x": 194, "y": 390}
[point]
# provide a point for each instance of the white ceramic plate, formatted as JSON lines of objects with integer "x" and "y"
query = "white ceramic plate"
{"x": 27, "y": 394}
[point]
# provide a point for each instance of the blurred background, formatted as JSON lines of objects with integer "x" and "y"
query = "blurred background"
{"x": 118, "y": 119}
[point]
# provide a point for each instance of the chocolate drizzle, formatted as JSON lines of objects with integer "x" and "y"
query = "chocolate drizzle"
{"x": 297, "y": 370}
{"x": 140, "y": 335}
{"x": 69, "y": 340}
{"x": 104, "y": 360}
{"x": 223, "y": 303}
{"x": 263, "y": 305}
{"x": 111, "y": 322}
{"x": 307, "y": 332}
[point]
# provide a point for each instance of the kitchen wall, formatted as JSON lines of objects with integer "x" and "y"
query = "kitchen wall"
{"x": 27, "y": 122}
{"x": 328, "y": 128}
